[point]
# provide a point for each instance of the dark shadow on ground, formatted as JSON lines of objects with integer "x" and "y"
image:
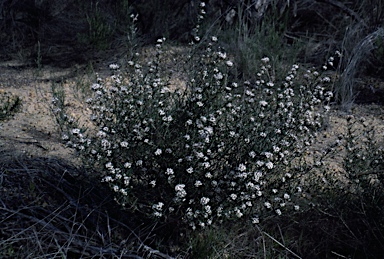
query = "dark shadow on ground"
{"x": 49, "y": 208}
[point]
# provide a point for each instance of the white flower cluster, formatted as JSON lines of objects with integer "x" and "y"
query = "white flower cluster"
{"x": 210, "y": 152}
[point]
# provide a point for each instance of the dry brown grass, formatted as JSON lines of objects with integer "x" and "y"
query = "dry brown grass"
{"x": 51, "y": 209}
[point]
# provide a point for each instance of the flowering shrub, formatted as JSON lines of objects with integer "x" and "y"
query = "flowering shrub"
{"x": 211, "y": 151}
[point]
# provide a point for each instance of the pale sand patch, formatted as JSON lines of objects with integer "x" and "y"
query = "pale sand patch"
{"x": 34, "y": 131}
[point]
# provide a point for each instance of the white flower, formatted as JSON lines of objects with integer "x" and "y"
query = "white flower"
{"x": 260, "y": 163}
{"x": 265, "y": 60}
{"x": 109, "y": 166}
{"x": 204, "y": 201}
{"x": 239, "y": 214}
{"x": 107, "y": 179}
{"x": 233, "y": 196}
{"x": 297, "y": 207}
{"x": 257, "y": 175}
{"x": 269, "y": 165}
{"x": 161, "y": 112}
{"x": 114, "y": 66}
{"x": 158, "y": 206}
{"x": 153, "y": 183}
{"x": 218, "y": 76}
{"x": 127, "y": 180}
{"x": 158, "y": 152}
{"x": 157, "y": 214}
{"x": 214, "y": 38}
{"x": 139, "y": 162}
{"x": 209, "y": 130}
{"x": 169, "y": 171}
{"x": 179, "y": 187}
{"x": 127, "y": 165}
{"x": 124, "y": 144}
{"x": 198, "y": 183}
{"x": 101, "y": 134}
{"x": 168, "y": 118}
{"x": 75, "y": 131}
{"x": 199, "y": 154}
{"x": 190, "y": 170}
{"x": 123, "y": 192}
{"x": 255, "y": 220}
{"x": 326, "y": 79}
{"x": 276, "y": 149}
{"x": 263, "y": 103}
{"x": 206, "y": 165}
{"x": 180, "y": 192}
{"x": 229, "y": 63}
{"x": 242, "y": 167}
{"x": 222, "y": 55}
{"x": 96, "y": 86}
{"x": 286, "y": 196}
{"x": 278, "y": 212}
{"x": 267, "y": 205}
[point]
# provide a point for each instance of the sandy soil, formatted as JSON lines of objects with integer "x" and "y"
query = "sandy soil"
{"x": 33, "y": 130}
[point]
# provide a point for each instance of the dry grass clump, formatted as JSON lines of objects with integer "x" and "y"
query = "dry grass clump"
{"x": 353, "y": 64}
{"x": 49, "y": 209}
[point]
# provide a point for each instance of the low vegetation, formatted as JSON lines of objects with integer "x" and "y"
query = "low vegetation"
{"x": 9, "y": 104}
{"x": 216, "y": 167}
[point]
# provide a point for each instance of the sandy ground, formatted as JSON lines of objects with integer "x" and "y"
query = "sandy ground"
{"x": 33, "y": 130}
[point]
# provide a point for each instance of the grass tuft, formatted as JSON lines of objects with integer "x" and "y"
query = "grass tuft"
{"x": 9, "y": 104}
